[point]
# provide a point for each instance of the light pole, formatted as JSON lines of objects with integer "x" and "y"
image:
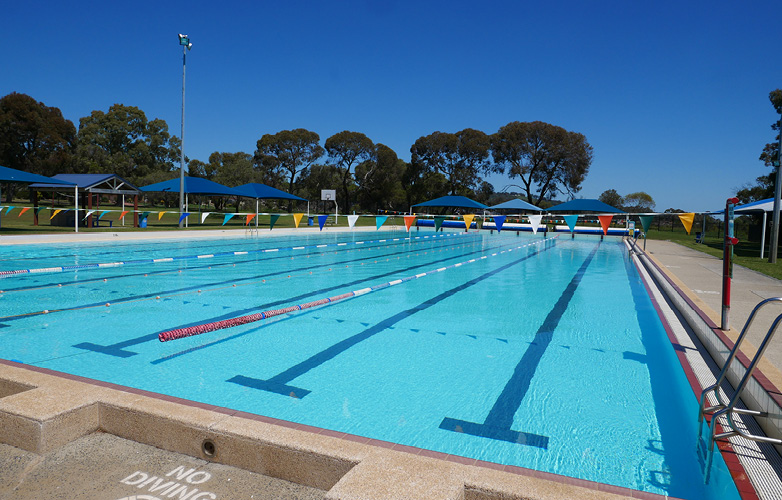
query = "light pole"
{"x": 184, "y": 41}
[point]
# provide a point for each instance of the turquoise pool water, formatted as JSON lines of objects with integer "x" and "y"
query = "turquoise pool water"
{"x": 544, "y": 354}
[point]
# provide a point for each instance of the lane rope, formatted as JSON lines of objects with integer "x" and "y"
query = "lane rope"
{"x": 61, "y": 269}
{"x": 190, "y": 331}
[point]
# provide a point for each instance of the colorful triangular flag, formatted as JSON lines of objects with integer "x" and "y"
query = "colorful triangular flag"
{"x": 24, "y": 209}
{"x": 8, "y": 210}
{"x": 534, "y": 221}
{"x": 499, "y": 220}
{"x": 605, "y": 222}
{"x": 352, "y": 220}
{"x": 468, "y": 220}
{"x": 227, "y": 218}
{"x": 687, "y": 220}
{"x": 438, "y": 222}
{"x": 409, "y": 219}
{"x": 646, "y": 222}
{"x": 380, "y": 220}
{"x": 273, "y": 220}
{"x": 204, "y": 216}
{"x": 297, "y": 219}
{"x": 249, "y": 218}
{"x": 571, "y": 221}
{"x": 183, "y": 217}
{"x": 322, "y": 221}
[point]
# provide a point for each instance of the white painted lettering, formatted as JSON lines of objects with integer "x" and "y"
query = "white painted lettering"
{"x": 161, "y": 487}
{"x": 132, "y": 479}
{"x": 192, "y": 477}
{"x": 180, "y": 472}
{"x": 151, "y": 479}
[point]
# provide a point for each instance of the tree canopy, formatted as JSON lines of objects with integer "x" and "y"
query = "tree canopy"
{"x": 546, "y": 158}
{"x": 764, "y": 184}
{"x": 287, "y": 152}
{"x": 347, "y": 150}
{"x": 460, "y": 157}
{"x": 611, "y": 197}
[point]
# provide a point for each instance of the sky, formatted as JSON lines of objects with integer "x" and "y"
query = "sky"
{"x": 672, "y": 95}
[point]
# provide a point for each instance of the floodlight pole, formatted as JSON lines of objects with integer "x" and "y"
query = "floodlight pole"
{"x": 772, "y": 254}
{"x": 184, "y": 41}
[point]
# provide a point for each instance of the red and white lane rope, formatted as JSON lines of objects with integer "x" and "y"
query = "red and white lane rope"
{"x": 179, "y": 333}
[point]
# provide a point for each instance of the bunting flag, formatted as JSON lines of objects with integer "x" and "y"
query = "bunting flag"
{"x": 160, "y": 215}
{"x": 55, "y": 213}
{"x": 571, "y": 220}
{"x": 605, "y": 221}
{"x": 535, "y": 221}
{"x": 322, "y": 221}
{"x": 25, "y": 209}
{"x": 122, "y": 215}
{"x": 37, "y": 210}
{"x": 144, "y": 215}
{"x": 409, "y": 219}
{"x": 438, "y": 222}
{"x": 468, "y": 220}
{"x": 499, "y": 220}
{"x": 103, "y": 213}
{"x": 227, "y": 218}
{"x": 646, "y": 222}
{"x": 9, "y": 209}
{"x": 249, "y": 218}
{"x": 88, "y": 214}
{"x": 687, "y": 220}
{"x": 183, "y": 217}
{"x": 273, "y": 220}
{"x": 297, "y": 219}
{"x": 352, "y": 220}
{"x": 204, "y": 216}
{"x": 380, "y": 220}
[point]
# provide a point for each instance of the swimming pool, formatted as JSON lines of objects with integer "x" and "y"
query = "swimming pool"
{"x": 519, "y": 350}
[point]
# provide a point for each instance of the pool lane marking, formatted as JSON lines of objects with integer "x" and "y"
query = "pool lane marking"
{"x": 279, "y": 384}
{"x": 247, "y": 280}
{"x": 203, "y": 266}
{"x": 179, "y": 333}
{"x": 498, "y": 422}
{"x": 59, "y": 269}
{"x": 117, "y": 349}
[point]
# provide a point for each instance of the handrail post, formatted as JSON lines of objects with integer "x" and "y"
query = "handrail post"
{"x": 727, "y": 261}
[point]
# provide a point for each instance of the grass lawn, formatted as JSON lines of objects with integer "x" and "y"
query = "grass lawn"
{"x": 745, "y": 254}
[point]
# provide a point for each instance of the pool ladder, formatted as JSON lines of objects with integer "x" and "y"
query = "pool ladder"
{"x": 729, "y": 409}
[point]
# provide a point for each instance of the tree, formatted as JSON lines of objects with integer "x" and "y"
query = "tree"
{"x": 380, "y": 181}
{"x": 347, "y": 150}
{"x": 611, "y": 197}
{"x": 460, "y": 157}
{"x": 764, "y": 185}
{"x": 317, "y": 177}
{"x": 122, "y": 141}
{"x": 34, "y": 137}
{"x": 484, "y": 192}
{"x": 547, "y": 158}
{"x": 288, "y": 152}
{"x": 422, "y": 184}
{"x": 232, "y": 169}
{"x": 639, "y": 202}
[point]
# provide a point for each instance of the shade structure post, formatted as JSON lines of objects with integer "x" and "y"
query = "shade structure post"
{"x": 75, "y": 209}
{"x": 763, "y": 235}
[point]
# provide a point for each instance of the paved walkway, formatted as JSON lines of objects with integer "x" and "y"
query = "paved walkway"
{"x": 702, "y": 274}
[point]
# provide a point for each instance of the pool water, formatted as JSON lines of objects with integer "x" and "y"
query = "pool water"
{"x": 540, "y": 353}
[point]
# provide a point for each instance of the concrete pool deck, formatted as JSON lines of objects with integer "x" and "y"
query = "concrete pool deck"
{"x": 55, "y": 430}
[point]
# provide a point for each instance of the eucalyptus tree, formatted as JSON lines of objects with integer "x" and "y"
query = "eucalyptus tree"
{"x": 34, "y": 137}
{"x": 379, "y": 181}
{"x": 460, "y": 157}
{"x": 546, "y": 158}
{"x": 347, "y": 150}
{"x": 288, "y": 153}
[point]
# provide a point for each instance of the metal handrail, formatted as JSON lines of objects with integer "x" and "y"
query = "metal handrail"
{"x": 729, "y": 409}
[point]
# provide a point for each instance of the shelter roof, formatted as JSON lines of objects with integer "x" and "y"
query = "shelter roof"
{"x": 594, "y": 206}
{"x": 192, "y": 185}
{"x": 93, "y": 183}
{"x": 516, "y": 204}
{"x": 452, "y": 201}
{"x": 257, "y": 190}
{"x": 8, "y": 174}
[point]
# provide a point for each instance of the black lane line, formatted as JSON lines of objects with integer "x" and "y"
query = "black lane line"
{"x": 279, "y": 383}
{"x": 118, "y": 349}
{"x": 500, "y": 418}
{"x": 224, "y": 282}
{"x": 211, "y": 263}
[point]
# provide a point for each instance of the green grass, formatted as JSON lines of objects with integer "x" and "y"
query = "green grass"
{"x": 745, "y": 254}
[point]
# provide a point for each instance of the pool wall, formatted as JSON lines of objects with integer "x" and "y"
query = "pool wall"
{"x": 760, "y": 394}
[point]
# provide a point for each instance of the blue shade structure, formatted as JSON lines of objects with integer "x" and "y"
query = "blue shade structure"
{"x": 13, "y": 175}
{"x": 257, "y": 190}
{"x": 594, "y": 206}
{"x": 193, "y": 185}
{"x": 452, "y": 202}
{"x": 516, "y": 204}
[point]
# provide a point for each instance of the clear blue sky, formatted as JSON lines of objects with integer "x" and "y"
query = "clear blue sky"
{"x": 672, "y": 95}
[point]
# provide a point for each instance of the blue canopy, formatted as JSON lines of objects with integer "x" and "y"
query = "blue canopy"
{"x": 193, "y": 185}
{"x": 13, "y": 175}
{"x": 452, "y": 201}
{"x": 594, "y": 206}
{"x": 257, "y": 190}
{"x": 516, "y": 204}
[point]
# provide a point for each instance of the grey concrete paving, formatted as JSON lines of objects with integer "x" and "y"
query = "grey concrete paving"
{"x": 702, "y": 274}
{"x": 104, "y": 467}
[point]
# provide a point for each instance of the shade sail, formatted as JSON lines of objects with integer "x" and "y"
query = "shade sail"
{"x": 516, "y": 204}
{"x": 12, "y": 175}
{"x": 193, "y": 185}
{"x": 257, "y": 190}
{"x": 594, "y": 206}
{"x": 452, "y": 201}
